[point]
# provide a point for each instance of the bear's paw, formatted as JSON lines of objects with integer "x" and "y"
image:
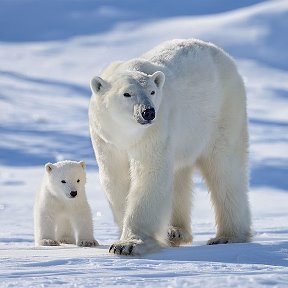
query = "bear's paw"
{"x": 178, "y": 236}
{"x": 134, "y": 247}
{"x": 242, "y": 238}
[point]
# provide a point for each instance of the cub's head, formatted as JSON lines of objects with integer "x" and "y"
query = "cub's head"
{"x": 66, "y": 179}
{"x": 128, "y": 100}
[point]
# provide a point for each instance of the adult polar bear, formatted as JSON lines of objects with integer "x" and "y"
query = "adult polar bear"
{"x": 153, "y": 120}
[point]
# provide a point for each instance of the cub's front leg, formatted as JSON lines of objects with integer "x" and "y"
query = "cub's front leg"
{"x": 148, "y": 203}
{"x": 83, "y": 225}
{"x": 44, "y": 228}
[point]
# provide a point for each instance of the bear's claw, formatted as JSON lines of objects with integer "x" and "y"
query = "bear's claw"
{"x": 120, "y": 249}
{"x": 87, "y": 243}
{"x": 134, "y": 247}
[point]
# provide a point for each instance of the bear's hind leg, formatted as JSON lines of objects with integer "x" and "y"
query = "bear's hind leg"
{"x": 180, "y": 230}
{"x": 225, "y": 172}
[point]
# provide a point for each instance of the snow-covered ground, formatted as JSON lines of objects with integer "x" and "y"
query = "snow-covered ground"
{"x": 49, "y": 50}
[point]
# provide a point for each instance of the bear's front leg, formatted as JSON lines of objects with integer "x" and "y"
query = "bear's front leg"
{"x": 148, "y": 204}
{"x": 114, "y": 176}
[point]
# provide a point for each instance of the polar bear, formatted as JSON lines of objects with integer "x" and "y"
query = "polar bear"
{"x": 153, "y": 121}
{"x": 61, "y": 211}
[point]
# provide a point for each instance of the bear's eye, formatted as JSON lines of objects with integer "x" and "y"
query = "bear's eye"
{"x": 78, "y": 180}
{"x": 126, "y": 94}
{"x": 63, "y": 181}
{"x": 152, "y": 93}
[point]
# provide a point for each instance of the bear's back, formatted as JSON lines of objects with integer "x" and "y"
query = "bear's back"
{"x": 179, "y": 56}
{"x": 169, "y": 52}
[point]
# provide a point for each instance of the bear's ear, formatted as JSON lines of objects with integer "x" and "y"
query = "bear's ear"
{"x": 49, "y": 167}
{"x": 97, "y": 84}
{"x": 158, "y": 78}
{"x": 83, "y": 164}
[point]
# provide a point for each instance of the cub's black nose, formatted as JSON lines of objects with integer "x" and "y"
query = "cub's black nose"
{"x": 148, "y": 114}
{"x": 73, "y": 194}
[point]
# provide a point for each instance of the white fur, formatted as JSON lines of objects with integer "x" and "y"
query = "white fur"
{"x": 201, "y": 122}
{"x": 59, "y": 218}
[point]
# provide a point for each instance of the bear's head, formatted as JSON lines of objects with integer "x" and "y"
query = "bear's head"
{"x": 66, "y": 179}
{"x": 126, "y": 101}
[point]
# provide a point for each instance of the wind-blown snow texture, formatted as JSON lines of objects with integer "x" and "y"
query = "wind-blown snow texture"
{"x": 49, "y": 50}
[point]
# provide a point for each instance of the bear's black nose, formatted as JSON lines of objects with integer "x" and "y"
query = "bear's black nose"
{"x": 73, "y": 193}
{"x": 148, "y": 114}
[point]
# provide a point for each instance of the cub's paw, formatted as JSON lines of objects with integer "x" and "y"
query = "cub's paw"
{"x": 87, "y": 243}
{"x": 48, "y": 242}
{"x": 134, "y": 247}
{"x": 178, "y": 236}
{"x": 67, "y": 241}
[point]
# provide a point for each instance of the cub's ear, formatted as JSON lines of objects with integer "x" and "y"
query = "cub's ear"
{"x": 97, "y": 84}
{"x": 49, "y": 167}
{"x": 158, "y": 78}
{"x": 83, "y": 164}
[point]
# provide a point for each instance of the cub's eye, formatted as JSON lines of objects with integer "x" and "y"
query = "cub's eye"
{"x": 152, "y": 93}
{"x": 63, "y": 181}
{"x": 126, "y": 95}
{"x": 78, "y": 180}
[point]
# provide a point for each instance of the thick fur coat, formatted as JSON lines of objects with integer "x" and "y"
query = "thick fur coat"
{"x": 153, "y": 120}
{"x": 61, "y": 211}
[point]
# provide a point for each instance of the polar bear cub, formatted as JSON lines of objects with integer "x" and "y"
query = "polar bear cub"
{"x": 61, "y": 211}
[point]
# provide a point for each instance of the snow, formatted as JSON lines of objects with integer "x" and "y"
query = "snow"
{"x": 49, "y": 52}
